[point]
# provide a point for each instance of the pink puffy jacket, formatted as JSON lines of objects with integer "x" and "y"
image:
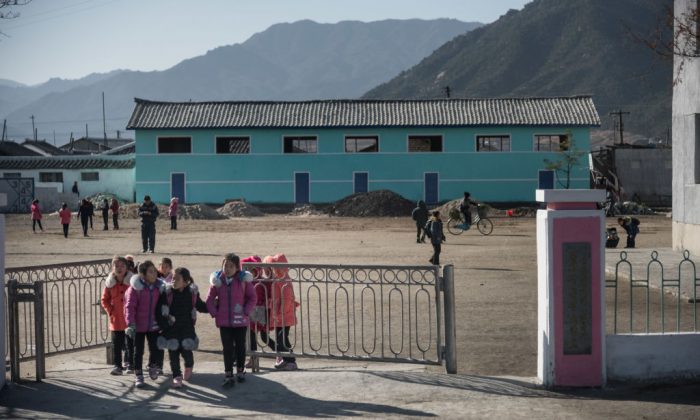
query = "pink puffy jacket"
{"x": 283, "y": 306}
{"x": 140, "y": 306}
{"x": 230, "y": 300}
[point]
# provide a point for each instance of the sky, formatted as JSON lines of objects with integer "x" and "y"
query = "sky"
{"x": 73, "y": 38}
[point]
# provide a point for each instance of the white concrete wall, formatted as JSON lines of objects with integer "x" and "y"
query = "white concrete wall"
{"x": 645, "y": 357}
{"x": 686, "y": 147}
{"x": 646, "y": 172}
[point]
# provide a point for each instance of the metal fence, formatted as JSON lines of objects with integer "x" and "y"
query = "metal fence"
{"x": 73, "y": 319}
{"x": 654, "y": 300}
{"x": 373, "y": 313}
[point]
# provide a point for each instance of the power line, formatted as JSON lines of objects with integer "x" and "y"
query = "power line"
{"x": 59, "y": 15}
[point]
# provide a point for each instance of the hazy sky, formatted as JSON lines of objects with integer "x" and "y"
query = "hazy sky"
{"x": 73, "y": 38}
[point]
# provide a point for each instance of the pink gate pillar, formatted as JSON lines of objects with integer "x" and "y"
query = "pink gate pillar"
{"x": 570, "y": 273}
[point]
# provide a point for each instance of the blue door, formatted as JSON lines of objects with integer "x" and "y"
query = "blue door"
{"x": 431, "y": 188}
{"x": 301, "y": 187}
{"x": 546, "y": 179}
{"x": 360, "y": 183}
{"x": 177, "y": 186}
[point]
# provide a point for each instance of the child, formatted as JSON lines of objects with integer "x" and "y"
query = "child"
{"x": 141, "y": 300}
{"x": 165, "y": 270}
{"x": 282, "y": 311}
{"x": 116, "y": 285}
{"x": 631, "y": 226}
{"x": 172, "y": 212}
{"x": 437, "y": 236}
{"x": 84, "y": 215}
{"x": 131, "y": 264}
{"x": 105, "y": 214}
{"x": 65, "y": 216}
{"x": 230, "y": 299}
{"x": 260, "y": 314}
{"x": 36, "y": 215}
{"x": 114, "y": 206}
{"x": 177, "y": 314}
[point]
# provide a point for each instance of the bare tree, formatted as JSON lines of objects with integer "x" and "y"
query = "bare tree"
{"x": 8, "y": 9}
{"x": 569, "y": 158}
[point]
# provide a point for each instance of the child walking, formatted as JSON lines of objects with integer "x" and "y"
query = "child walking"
{"x": 282, "y": 311}
{"x": 36, "y": 215}
{"x": 114, "y": 206}
{"x": 141, "y": 300}
{"x": 84, "y": 215}
{"x": 261, "y": 312}
{"x": 172, "y": 212}
{"x": 116, "y": 284}
{"x": 65, "y": 216}
{"x": 230, "y": 300}
{"x": 437, "y": 236}
{"x": 177, "y": 313}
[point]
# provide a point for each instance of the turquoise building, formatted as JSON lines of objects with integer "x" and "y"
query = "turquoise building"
{"x": 321, "y": 151}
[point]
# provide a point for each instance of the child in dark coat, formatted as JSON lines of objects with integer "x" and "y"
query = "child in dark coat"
{"x": 176, "y": 314}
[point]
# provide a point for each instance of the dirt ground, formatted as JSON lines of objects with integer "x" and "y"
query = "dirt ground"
{"x": 495, "y": 276}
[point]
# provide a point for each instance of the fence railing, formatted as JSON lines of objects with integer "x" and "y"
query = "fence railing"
{"x": 73, "y": 319}
{"x": 671, "y": 296}
{"x": 374, "y": 313}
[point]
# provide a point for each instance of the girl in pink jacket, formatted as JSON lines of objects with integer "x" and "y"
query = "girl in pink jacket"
{"x": 172, "y": 213}
{"x": 36, "y": 215}
{"x": 282, "y": 311}
{"x": 230, "y": 300}
{"x": 65, "y": 216}
{"x": 140, "y": 312}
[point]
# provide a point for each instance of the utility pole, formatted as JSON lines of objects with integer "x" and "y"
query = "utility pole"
{"x": 54, "y": 137}
{"x": 104, "y": 126}
{"x": 4, "y": 130}
{"x": 33, "y": 129}
{"x": 447, "y": 92}
{"x": 619, "y": 115}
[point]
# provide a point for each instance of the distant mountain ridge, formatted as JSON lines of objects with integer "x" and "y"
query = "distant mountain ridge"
{"x": 554, "y": 48}
{"x": 288, "y": 61}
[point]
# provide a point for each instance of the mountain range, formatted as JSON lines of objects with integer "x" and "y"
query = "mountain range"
{"x": 555, "y": 48}
{"x": 288, "y": 61}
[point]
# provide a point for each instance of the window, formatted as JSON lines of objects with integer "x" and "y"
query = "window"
{"x": 90, "y": 176}
{"x": 551, "y": 143}
{"x": 174, "y": 145}
{"x": 425, "y": 143}
{"x": 233, "y": 145}
{"x": 12, "y": 175}
{"x": 50, "y": 176}
{"x": 361, "y": 144}
{"x": 493, "y": 143}
{"x": 296, "y": 144}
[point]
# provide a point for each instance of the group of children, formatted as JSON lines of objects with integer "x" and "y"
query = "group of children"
{"x": 85, "y": 213}
{"x": 159, "y": 306}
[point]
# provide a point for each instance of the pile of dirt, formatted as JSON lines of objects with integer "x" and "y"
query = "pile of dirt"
{"x": 306, "y": 210}
{"x": 239, "y": 209}
{"x": 630, "y": 207}
{"x": 194, "y": 212}
{"x": 374, "y": 204}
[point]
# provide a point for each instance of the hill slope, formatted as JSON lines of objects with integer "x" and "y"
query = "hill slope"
{"x": 554, "y": 48}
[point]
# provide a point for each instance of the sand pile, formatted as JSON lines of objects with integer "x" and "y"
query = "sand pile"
{"x": 194, "y": 211}
{"x": 376, "y": 204}
{"x": 306, "y": 210}
{"x": 239, "y": 209}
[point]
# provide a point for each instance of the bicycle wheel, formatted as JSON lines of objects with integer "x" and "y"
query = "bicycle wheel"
{"x": 453, "y": 226}
{"x": 485, "y": 226}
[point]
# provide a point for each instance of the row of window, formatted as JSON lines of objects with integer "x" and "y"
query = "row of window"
{"x": 55, "y": 176}
{"x": 363, "y": 144}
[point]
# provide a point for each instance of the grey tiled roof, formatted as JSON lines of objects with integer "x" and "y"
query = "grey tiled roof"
{"x": 61, "y": 162}
{"x": 566, "y": 111}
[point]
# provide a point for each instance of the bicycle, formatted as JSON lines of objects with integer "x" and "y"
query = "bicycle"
{"x": 483, "y": 224}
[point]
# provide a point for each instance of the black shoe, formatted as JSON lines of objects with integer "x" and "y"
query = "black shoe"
{"x": 229, "y": 382}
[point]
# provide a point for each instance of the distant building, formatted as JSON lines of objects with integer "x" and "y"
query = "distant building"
{"x": 686, "y": 145}
{"x": 92, "y": 145}
{"x": 10, "y": 148}
{"x": 43, "y": 147}
{"x": 321, "y": 151}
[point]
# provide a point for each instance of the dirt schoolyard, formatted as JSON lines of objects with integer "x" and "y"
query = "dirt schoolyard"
{"x": 495, "y": 276}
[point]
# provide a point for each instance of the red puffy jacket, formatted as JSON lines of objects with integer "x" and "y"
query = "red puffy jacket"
{"x": 283, "y": 306}
{"x": 113, "y": 301}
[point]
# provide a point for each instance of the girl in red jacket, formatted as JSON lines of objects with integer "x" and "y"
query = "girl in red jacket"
{"x": 113, "y": 302}
{"x": 230, "y": 300}
{"x": 65, "y": 216}
{"x": 282, "y": 311}
{"x": 36, "y": 215}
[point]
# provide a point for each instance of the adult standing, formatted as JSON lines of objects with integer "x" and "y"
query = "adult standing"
{"x": 420, "y": 215}
{"x": 91, "y": 212}
{"x": 84, "y": 215}
{"x": 436, "y": 237}
{"x": 105, "y": 213}
{"x": 75, "y": 189}
{"x": 115, "y": 213}
{"x": 148, "y": 212}
{"x": 36, "y": 215}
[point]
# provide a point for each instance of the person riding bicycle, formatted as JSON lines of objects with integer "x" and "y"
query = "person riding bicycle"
{"x": 464, "y": 209}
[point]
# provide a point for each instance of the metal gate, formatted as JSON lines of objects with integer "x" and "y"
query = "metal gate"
{"x": 20, "y": 193}
{"x": 352, "y": 312}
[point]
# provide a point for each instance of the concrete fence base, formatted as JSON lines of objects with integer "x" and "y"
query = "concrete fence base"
{"x": 644, "y": 357}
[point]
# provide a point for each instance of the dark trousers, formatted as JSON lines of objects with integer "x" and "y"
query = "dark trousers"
{"x": 122, "y": 343}
{"x": 283, "y": 344}
{"x": 105, "y": 218}
{"x": 265, "y": 338}
{"x": 630, "y": 240}
{"x": 65, "y": 230}
{"x": 90, "y": 217}
{"x": 115, "y": 221}
{"x": 233, "y": 341}
{"x": 467, "y": 216}
{"x": 435, "y": 259}
{"x": 36, "y": 222}
{"x": 420, "y": 233}
{"x": 174, "y": 355}
{"x": 139, "y": 342}
{"x": 84, "y": 224}
{"x": 148, "y": 236}
{"x": 173, "y": 222}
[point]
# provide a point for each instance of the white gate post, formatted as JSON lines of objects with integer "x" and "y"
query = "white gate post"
{"x": 571, "y": 292}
